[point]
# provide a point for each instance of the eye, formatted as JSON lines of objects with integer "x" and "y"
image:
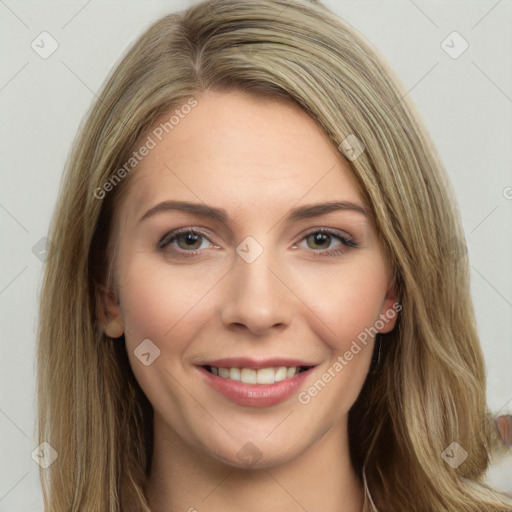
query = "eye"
{"x": 188, "y": 242}
{"x": 328, "y": 241}
{"x": 185, "y": 242}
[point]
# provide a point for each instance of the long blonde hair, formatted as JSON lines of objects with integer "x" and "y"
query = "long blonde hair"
{"x": 430, "y": 391}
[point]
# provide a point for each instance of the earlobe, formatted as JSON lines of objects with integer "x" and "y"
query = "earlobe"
{"x": 114, "y": 328}
{"x": 389, "y": 312}
{"x": 108, "y": 312}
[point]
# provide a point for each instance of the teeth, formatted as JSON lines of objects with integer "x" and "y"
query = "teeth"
{"x": 224, "y": 372}
{"x": 248, "y": 375}
{"x": 234, "y": 373}
{"x": 280, "y": 374}
{"x": 265, "y": 376}
{"x": 290, "y": 372}
{"x": 261, "y": 376}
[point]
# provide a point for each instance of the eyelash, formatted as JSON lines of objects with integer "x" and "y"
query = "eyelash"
{"x": 170, "y": 237}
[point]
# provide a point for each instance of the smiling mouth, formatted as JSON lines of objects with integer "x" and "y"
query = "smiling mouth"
{"x": 269, "y": 375}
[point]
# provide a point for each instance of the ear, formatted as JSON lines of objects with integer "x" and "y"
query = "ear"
{"x": 108, "y": 311}
{"x": 389, "y": 311}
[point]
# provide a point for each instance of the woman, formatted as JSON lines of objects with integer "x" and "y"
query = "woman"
{"x": 258, "y": 296}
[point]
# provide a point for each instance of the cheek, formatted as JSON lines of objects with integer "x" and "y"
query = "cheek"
{"x": 169, "y": 307}
{"x": 162, "y": 303}
{"x": 347, "y": 300}
{"x": 346, "y": 310}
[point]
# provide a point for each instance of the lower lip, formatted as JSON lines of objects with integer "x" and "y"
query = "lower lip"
{"x": 255, "y": 395}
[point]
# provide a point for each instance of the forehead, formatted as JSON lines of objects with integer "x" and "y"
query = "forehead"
{"x": 237, "y": 150}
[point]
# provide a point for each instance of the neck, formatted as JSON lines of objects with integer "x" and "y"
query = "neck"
{"x": 186, "y": 479}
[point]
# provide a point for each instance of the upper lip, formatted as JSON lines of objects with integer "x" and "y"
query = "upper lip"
{"x": 245, "y": 362}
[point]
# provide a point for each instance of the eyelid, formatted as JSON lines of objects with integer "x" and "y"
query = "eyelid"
{"x": 345, "y": 239}
{"x": 166, "y": 239}
{"x": 329, "y": 231}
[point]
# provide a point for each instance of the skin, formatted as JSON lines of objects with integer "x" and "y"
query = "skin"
{"x": 257, "y": 159}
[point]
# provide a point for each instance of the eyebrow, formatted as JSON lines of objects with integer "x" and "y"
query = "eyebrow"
{"x": 300, "y": 213}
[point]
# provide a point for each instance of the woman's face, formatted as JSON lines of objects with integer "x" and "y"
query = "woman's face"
{"x": 268, "y": 278}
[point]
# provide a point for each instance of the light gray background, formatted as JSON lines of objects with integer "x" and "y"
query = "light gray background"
{"x": 466, "y": 103}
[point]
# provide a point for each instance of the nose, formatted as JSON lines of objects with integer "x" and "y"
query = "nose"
{"x": 257, "y": 297}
